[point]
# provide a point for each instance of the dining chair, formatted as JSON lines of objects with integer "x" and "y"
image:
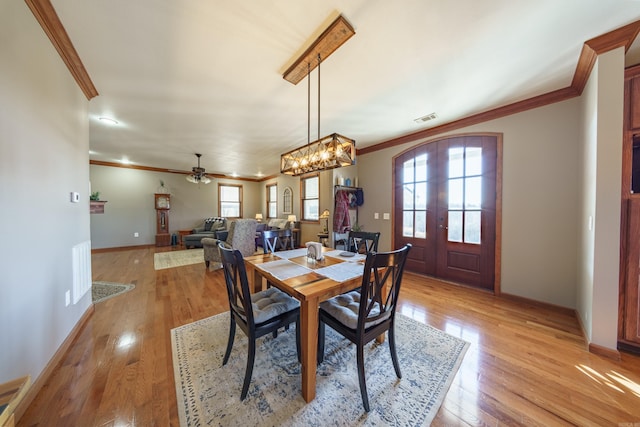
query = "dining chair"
{"x": 362, "y": 316}
{"x": 277, "y": 240}
{"x": 362, "y": 241}
{"x": 257, "y": 314}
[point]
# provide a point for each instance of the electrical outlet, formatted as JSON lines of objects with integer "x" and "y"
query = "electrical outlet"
{"x": 136, "y": 234}
{"x": 67, "y": 298}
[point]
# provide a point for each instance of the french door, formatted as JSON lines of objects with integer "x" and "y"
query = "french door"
{"x": 445, "y": 206}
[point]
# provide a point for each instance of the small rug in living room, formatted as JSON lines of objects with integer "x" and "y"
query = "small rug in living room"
{"x": 162, "y": 260}
{"x": 209, "y": 393}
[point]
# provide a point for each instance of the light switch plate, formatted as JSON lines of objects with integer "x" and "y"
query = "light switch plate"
{"x": 386, "y": 216}
{"x": 376, "y": 215}
{"x": 75, "y": 197}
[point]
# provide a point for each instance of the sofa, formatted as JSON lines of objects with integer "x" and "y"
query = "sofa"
{"x": 209, "y": 228}
{"x": 278, "y": 223}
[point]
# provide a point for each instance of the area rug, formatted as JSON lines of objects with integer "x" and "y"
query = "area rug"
{"x": 209, "y": 393}
{"x": 101, "y": 291}
{"x": 172, "y": 259}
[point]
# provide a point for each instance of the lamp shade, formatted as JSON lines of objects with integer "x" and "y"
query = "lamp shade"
{"x": 292, "y": 218}
{"x": 259, "y": 216}
{"x": 325, "y": 213}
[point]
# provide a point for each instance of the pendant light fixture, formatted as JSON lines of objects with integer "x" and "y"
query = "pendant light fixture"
{"x": 332, "y": 151}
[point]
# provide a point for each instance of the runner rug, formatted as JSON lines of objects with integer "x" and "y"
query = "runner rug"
{"x": 209, "y": 393}
{"x": 162, "y": 260}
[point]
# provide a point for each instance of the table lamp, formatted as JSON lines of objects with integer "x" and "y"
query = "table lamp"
{"x": 259, "y": 217}
{"x": 325, "y": 215}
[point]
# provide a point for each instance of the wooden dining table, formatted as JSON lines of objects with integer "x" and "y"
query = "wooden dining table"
{"x": 310, "y": 282}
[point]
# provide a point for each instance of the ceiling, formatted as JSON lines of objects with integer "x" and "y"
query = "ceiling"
{"x": 205, "y": 76}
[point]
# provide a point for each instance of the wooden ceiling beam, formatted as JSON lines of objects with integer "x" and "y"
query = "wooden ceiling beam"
{"x": 328, "y": 42}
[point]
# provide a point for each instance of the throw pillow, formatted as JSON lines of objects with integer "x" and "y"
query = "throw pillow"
{"x": 214, "y": 223}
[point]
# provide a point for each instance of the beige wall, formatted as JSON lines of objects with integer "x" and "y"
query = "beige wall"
{"x": 540, "y": 200}
{"x": 44, "y": 156}
{"x": 599, "y": 220}
{"x": 130, "y": 204}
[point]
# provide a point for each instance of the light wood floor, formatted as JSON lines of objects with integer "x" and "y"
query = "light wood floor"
{"x": 527, "y": 364}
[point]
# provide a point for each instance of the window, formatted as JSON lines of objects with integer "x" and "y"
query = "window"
{"x": 230, "y": 201}
{"x": 465, "y": 194}
{"x": 414, "y": 197}
{"x": 310, "y": 197}
{"x": 272, "y": 201}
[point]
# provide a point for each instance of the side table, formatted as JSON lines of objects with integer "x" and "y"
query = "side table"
{"x": 183, "y": 233}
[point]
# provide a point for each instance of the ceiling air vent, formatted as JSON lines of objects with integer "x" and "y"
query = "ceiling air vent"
{"x": 425, "y": 118}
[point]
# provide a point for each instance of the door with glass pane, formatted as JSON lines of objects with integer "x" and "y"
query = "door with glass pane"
{"x": 446, "y": 207}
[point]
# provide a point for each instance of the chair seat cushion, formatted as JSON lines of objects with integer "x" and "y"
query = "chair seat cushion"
{"x": 344, "y": 308}
{"x": 270, "y": 303}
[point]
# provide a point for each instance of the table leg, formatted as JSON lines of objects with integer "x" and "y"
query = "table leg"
{"x": 256, "y": 283}
{"x": 309, "y": 346}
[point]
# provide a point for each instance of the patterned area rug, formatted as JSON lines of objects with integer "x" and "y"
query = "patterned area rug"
{"x": 101, "y": 291}
{"x": 172, "y": 259}
{"x": 209, "y": 393}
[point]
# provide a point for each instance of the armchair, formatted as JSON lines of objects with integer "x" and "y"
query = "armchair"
{"x": 241, "y": 236}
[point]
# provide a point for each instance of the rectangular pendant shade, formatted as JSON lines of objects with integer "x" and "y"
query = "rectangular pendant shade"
{"x": 332, "y": 151}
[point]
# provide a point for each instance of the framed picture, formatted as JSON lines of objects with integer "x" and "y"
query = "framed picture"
{"x": 287, "y": 201}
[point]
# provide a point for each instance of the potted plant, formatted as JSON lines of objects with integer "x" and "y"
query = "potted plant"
{"x": 95, "y": 196}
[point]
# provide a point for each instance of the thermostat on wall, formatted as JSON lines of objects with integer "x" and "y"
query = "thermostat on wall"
{"x": 75, "y": 197}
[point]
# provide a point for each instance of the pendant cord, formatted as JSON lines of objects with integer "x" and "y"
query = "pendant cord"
{"x": 319, "y": 61}
{"x": 308, "y": 103}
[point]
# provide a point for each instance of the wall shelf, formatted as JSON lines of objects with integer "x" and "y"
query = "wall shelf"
{"x": 96, "y": 206}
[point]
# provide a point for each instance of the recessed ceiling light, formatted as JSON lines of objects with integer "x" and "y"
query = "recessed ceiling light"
{"x": 425, "y": 118}
{"x": 108, "y": 120}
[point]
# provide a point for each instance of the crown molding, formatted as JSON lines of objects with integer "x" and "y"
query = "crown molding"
{"x": 48, "y": 18}
{"x": 164, "y": 170}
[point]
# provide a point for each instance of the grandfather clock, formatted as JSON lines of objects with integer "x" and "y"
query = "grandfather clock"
{"x": 162, "y": 205}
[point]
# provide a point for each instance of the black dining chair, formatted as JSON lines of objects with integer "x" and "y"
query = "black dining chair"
{"x": 362, "y": 242}
{"x": 362, "y": 316}
{"x": 257, "y": 314}
{"x": 277, "y": 240}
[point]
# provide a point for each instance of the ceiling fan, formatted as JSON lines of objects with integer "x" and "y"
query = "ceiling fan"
{"x": 199, "y": 175}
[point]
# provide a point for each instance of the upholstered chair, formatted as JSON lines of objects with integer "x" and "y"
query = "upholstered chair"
{"x": 241, "y": 236}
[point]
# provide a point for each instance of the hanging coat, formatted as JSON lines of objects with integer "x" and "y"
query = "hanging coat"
{"x": 341, "y": 220}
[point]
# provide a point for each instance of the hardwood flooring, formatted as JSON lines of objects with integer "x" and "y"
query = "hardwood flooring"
{"x": 527, "y": 364}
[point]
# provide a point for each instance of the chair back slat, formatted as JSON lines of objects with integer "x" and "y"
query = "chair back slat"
{"x": 277, "y": 240}
{"x": 235, "y": 276}
{"x": 381, "y": 269}
{"x": 363, "y": 241}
